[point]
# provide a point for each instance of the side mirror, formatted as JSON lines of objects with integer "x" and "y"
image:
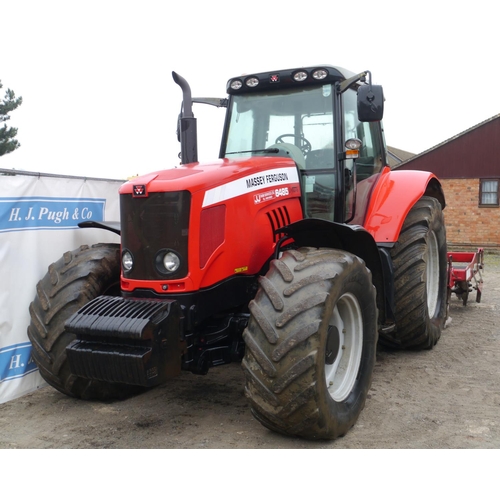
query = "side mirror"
{"x": 370, "y": 103}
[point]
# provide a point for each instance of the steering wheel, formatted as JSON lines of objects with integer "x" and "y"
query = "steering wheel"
{"x": 305, "y": 145}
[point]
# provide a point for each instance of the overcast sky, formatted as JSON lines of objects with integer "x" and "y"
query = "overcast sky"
{"x": 99, "y": 99}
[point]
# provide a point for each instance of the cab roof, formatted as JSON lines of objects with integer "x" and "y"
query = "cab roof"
{"x": 294, "y": 77}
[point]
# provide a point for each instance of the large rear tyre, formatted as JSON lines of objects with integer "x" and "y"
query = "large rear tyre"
{"x": 71, "y": 282}
{"x": 311, "y": 343}
{"x": 420, "y": 263}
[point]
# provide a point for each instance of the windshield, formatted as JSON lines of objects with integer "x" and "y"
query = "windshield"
{"x": 299, "y": 121}
{"x": 302, "y": 117}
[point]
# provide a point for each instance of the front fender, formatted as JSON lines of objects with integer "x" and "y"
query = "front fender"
{"x": 353, "y": 239}
{"x": 393, "y": 197}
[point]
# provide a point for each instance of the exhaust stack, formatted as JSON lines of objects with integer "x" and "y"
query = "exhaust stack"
{"x": 186, "y": 126}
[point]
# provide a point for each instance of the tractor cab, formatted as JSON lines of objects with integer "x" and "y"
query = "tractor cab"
{"x": 311, "y": 115}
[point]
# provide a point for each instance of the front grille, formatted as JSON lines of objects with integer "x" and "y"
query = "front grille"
{"x": 151, "y": 224}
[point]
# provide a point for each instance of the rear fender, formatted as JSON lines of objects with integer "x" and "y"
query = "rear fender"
{"x": 393, "y": 197}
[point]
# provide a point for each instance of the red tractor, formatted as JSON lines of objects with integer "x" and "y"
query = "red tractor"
{"x": 296, "y": 251}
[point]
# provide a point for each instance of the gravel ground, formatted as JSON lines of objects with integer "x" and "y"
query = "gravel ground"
{"x": 446, "y": 398}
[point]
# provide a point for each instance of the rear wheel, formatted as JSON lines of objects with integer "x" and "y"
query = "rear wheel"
{"x": 311, "y": 343}
{"x": 71, "y": 282}
{"x": 420, "y": 279}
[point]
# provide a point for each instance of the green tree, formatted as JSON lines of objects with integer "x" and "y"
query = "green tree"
{"x": 8, "y": 143}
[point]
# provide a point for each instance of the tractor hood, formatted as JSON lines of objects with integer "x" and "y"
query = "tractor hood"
{"x": 220, "y": 180}
{"x": 219, "y": 220}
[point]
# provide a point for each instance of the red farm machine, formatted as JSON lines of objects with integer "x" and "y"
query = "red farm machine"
{"x": 465, "y": 274}
{"x": 295, "y": 252}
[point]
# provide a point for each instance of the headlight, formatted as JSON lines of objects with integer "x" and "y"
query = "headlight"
{"x": 127, "y": 261}
{"x": 167, "y": 261}
{"x": 171, "y": 262}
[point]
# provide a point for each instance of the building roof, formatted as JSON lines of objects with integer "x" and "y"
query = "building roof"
{"x": 397, "y": 156}
{"x": 472, "y": 153}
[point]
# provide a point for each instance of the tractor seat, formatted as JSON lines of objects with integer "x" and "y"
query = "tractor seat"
{"x": 290, "y": 150}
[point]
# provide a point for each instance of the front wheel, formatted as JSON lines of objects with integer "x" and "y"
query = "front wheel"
{"x": 311, "y": 343}
{"x": 74, "y": 280}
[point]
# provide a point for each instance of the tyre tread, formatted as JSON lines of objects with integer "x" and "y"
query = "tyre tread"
{"x": 71, "y": 282}
{"x": 281, "y": 362}
{"x": 414, "y": 330}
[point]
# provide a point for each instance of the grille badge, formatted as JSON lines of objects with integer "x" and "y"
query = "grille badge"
{"x": 140, "y": 191}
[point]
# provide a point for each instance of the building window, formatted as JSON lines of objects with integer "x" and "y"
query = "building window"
{"x": 488, "y": 192}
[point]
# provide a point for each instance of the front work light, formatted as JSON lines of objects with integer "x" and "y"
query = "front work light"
{"x": 320, "y": 74}
{"x": 300, "y": 76}
{"x": 236, "y": 84}
{"x": 252, "y": 82}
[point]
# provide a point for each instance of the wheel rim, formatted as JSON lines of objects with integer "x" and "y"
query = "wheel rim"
{"x": 432, "y": 284}
{"x": 344, "y": 347}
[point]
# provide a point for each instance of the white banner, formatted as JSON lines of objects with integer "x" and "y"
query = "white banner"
{"x": 38, "y": 223}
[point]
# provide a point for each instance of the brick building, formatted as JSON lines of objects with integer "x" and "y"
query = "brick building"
{"x": 468, "y": 166}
